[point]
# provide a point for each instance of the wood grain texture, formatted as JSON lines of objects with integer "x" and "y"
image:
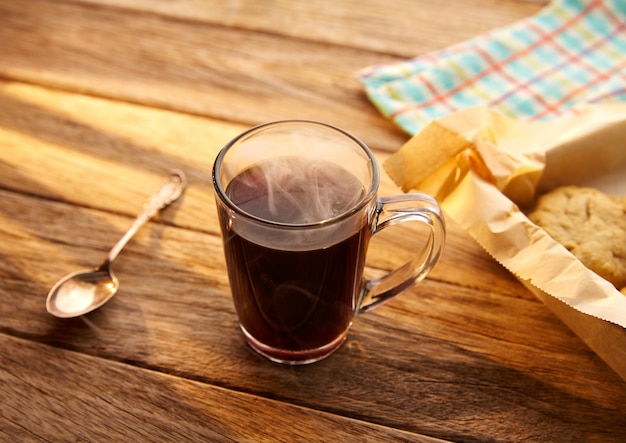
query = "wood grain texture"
{"x": 400, "y": 28}
{"x": 52, "y": 388}
{"x": 101, "y": 98}
{"x": 210, "y": 64}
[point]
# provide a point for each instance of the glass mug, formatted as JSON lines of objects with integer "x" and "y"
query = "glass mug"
{"x": 297, "y": 207}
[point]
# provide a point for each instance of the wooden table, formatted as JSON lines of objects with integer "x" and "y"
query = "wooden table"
{"x": 101, "y": 98}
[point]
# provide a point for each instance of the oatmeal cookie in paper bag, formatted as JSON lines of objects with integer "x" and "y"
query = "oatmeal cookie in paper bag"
{"x": 590, "y": 224}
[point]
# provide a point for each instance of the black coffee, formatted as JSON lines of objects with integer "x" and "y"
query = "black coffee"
{"x": 296, "y": 296}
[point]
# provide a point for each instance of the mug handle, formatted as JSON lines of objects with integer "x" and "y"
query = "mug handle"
{"x": 397, "y": 209}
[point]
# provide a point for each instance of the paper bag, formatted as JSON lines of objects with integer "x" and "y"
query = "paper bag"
{"x": 486, "y": 170}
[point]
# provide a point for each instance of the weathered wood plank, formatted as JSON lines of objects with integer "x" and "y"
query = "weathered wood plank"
{"x": 226, "y": 73}
{"x": 209, "y": 63}
{"x": 402, "y": 28}
{"x": 50, "y": 394}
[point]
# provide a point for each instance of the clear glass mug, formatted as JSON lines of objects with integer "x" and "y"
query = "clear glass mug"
{"x": 297, "y": 203}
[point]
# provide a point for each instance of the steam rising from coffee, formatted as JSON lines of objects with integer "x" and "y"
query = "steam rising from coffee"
{"x": 296, "y": 191}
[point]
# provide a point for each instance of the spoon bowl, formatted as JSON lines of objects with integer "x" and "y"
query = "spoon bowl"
{"x": 83, "y": 291}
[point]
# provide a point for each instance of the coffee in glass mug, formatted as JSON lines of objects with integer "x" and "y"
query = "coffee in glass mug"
{"x": 297, "y": 206}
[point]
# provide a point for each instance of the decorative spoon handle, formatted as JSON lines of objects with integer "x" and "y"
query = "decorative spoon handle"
{"x": 170, "y": 190}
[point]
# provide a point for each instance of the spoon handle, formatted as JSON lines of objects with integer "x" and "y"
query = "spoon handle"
{"x": 170, "y": 190}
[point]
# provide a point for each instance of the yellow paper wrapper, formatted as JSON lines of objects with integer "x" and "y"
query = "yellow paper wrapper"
{"x": 485, "y": 169}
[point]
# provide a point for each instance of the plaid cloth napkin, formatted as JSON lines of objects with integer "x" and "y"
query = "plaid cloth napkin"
{"x": 571, "y": 52}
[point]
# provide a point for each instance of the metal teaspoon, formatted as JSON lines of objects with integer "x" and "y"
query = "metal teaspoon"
{"x": 83, "y": 291}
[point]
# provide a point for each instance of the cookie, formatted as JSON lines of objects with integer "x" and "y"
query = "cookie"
{"x": 590, "y": 224}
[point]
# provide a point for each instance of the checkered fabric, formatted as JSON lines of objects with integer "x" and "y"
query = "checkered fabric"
{"x": 571, "y": 52}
